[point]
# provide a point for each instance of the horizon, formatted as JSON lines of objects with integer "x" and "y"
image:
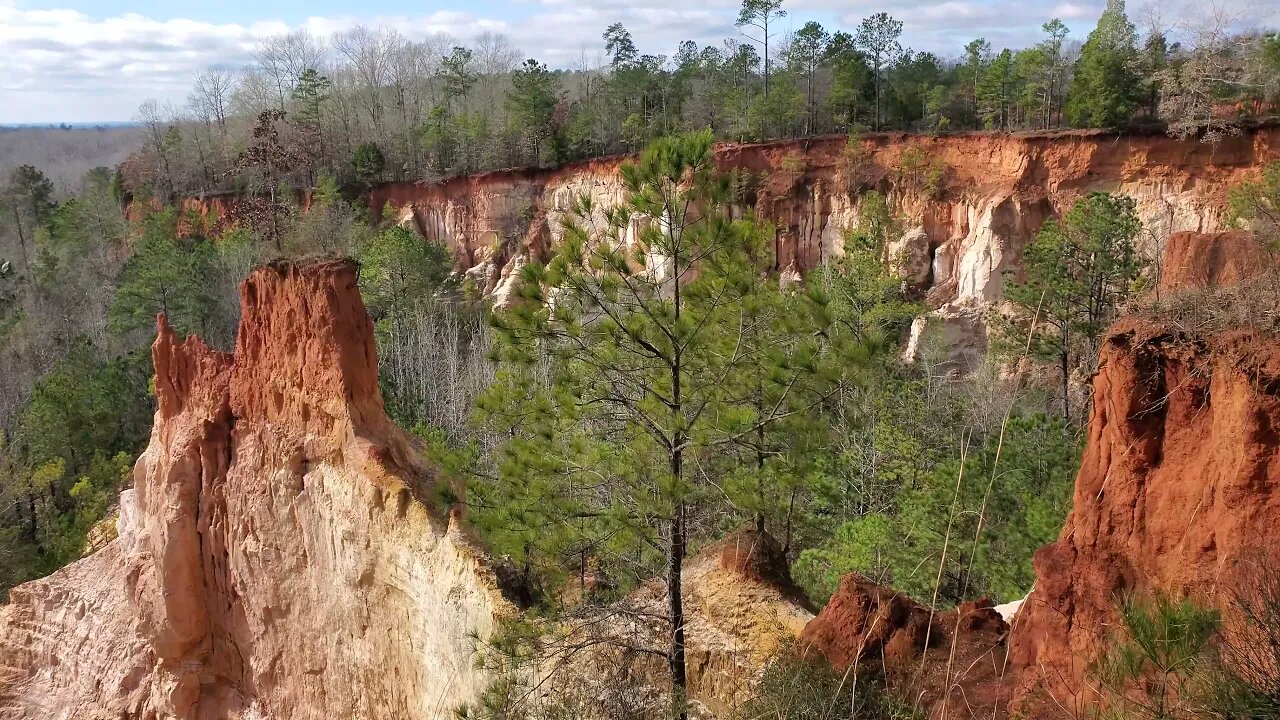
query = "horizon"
{"x": 93, "y": 63}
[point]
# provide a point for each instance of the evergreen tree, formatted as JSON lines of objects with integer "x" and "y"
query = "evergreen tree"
{"x": 400, "y": 271}
{"x": 1256, "y": 205}
{"x": 619, "y": 46}
{"x": 977, "y": 54}
{"x": 311, "y": 92}
{"x": 994, "y": 89}
{"x": 368, "y": 163}
{"x": 458, "y": 76}
{"x": 535, "y": 92}
{"x": 1078, "y": 272}
{"x": 163, "y": 275}
{"x": 631, "y": 369}
{"x": 28, "y": 202}
{"x": 877, "y": 38}
{"x": 1105, "y": 90}
{"x": 761, "y": 15}
{"x": 851, "y": 82}
{"x": 1054, "y": 68}
{"x": 806, "y": 53}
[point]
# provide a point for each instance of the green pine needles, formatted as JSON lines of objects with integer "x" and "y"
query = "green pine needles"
{"x": 653, "y": 376}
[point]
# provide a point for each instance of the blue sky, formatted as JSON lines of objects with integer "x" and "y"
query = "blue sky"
{"x": 97, "y": 60}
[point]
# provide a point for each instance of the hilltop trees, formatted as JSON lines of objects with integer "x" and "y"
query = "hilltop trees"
{"x": 877, "y": 38}
{"x": 1105, "y": 90}
{"x": 535, "y": 93}
{"x": 438, "y": 107}
{"x": 761, "y": 15}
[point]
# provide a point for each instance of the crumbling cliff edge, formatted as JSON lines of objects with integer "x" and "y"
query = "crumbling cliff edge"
{"x": 279, "y": 555}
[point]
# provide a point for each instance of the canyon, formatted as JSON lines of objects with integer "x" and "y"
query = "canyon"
{"x": 284, "y": 551}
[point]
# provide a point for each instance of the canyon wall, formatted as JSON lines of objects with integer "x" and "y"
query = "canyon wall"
{"x": 1178, "y": 492}
{"x": 966, "y": 225}
{"x": 280, "y": 555}
{"x": 970, "y": 201}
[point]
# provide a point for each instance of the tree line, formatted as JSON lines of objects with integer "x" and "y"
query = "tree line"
{"x": 370, "y": 105}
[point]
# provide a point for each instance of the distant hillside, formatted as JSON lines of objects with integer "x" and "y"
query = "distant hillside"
{"x": 66, "y": 153}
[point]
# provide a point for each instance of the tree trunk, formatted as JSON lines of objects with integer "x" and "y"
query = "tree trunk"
{"x": 791, "y": 508}
{"x": 1066, "y": 388}
{"x": 22, "y": 240}
{"x": 675, "y": 561}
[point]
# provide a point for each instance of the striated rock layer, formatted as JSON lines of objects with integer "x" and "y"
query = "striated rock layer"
{"x": 1180, "y": 481}
{"x": 279, "y": 556}
{"x": 971, "y": 201}
{"x": 1197, "y": 261}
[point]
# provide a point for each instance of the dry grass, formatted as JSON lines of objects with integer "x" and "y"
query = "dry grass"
{"x": 1252, "y": 304}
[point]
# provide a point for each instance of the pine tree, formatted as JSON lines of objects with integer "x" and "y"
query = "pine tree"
{"x": 977, "y": 54}
{"x": 806, "y": 53}
{"x": 535, "y": 91}
{"x": 761, "y": 15}
{"x": 400, "y": 271}
{"x": 877, "y": 38}
{"x": 164, "y": 275}
{"x": 994, "y": 91}
{"x": 633, "y": 368}
{"x": 1078, "y": 271}
{"x": 1106, "y": 87}
{"x": 1053, "y": 81}
{"x": 28, "y": 201}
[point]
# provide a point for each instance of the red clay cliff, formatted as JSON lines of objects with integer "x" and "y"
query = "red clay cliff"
{"x": 278, "y": 557}
{"x": 1180, "y": 479}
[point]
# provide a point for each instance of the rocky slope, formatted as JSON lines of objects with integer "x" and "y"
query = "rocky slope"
{"x": 1176, "y": 494}
{"x": 279, "y": 556}
{"x": 945, "y": 663}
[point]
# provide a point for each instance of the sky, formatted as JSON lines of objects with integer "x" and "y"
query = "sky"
{"x": 97, "y": 60}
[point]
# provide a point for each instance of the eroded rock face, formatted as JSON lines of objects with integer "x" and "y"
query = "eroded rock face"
{"x": 996, "y": 191}
{"x": 947, "y": 663}
{"x": 1195, "y": 261}
{"x": 741, "y": 608}
{"x": 281, "y": 559}
{"x": 1178, "y": 483}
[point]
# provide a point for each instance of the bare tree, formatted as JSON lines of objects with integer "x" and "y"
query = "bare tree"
{"x": 370, "y": 53}
{"x": 211, "y": 96}
{"x": 283, "y": 58}
{"x": 1218, "y": 63}
{"x": 159, "y": 122}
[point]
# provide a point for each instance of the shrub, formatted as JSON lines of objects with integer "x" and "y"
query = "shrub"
{"x": 1150, "y": 668}
{"x": 799, "y": 688}
{"x": 916, "y": 171}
